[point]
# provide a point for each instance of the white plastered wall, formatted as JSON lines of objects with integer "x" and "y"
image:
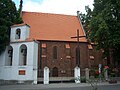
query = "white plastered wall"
{"x": 12, "y": 72}
{"x": 24, "y": 33}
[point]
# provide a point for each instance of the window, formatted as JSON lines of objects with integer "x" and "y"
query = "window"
{"x": 18, "y": 32}
{"x": 23, "y": 55}
{"x": 55, "y": 52}
{"x": 67, "y": 51}
{"x": 44, "y": 50}
{"x": 9, "y": 56}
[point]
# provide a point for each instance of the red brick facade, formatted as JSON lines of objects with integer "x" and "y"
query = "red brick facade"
{"x": 66, "y": 57}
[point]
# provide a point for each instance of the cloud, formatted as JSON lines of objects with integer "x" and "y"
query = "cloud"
{"x": 57, "y": 6}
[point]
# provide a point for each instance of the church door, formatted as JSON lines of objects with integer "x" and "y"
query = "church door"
{"x": 55, "y": 72}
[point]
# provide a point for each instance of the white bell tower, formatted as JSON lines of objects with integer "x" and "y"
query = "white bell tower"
{"x": 19, "y": 32}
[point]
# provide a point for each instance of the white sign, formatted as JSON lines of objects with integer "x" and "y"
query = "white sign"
{"x": 100, "y": 65}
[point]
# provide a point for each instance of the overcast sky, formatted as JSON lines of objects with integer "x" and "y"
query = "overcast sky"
{"x": 69, "y": 7}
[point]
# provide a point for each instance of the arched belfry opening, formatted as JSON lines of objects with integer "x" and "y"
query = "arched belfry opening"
{"x": 9, "y": 56}
{"x": 23, "y": 55}
{"x": 18, "y": 33}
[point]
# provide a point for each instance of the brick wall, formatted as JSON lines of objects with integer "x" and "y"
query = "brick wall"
{"x": 65, "y": 62}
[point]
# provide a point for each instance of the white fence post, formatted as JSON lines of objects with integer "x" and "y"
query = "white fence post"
{"x": 77, "y": 74}
{"x": 46, "y": 75}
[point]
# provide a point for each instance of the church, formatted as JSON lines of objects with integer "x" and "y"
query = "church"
{"x": 55, "y": 41}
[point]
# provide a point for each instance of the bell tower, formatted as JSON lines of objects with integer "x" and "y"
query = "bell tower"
{"x": 19, "y": 32}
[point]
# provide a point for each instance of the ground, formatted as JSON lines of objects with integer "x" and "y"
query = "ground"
{"x": 62, "y": 86}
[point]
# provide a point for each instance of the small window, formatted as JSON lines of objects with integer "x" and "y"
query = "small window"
{"x": 23, "y": 55}
{"x": 18, "y": 32}
{"x": 9, "y": 56}
{"x": 55, "y": 52}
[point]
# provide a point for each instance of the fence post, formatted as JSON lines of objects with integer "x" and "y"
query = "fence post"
{"x": 87, "y": 73}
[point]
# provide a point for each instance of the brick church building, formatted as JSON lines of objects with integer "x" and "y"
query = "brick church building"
{"x": 48, "y": 40}
{"x": 44, "y": 39}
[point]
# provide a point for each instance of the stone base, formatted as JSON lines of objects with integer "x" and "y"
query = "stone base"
{"x": 12, "y": 82}
{"x": 77, "y": 81}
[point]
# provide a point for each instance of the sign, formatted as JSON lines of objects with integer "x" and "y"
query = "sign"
{"x": 21, "y": 72}
{"x": 100, "y": 65}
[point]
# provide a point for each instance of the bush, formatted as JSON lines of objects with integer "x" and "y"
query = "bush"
{"x": 83, "y": 80}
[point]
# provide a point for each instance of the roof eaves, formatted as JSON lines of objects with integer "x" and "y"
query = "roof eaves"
{"x": 22, "y": 24}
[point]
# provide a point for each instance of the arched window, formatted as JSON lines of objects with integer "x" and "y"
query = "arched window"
{"x": 18, "y": 32}
{"x": 55, "y": 52}
{"x": 9, "y": 56}
{"x": 55, "y": 72}
{"x": 78, "y": 56}
{"x": 23, "y": 55}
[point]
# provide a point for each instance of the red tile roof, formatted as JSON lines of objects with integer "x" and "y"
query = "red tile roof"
{"x": 46, "y": 26}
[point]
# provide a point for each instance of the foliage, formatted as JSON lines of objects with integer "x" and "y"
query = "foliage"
{"x": 93, "y": 81}
{"x": 83, "y": 79}
{"x": 100, "y": 76}
{"x": 102, "y": 26}
{"x": 85, "y": 19}
{"x": 8, "y": 16}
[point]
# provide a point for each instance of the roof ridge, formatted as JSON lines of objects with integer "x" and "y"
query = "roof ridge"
{"x": 48, "y": 13}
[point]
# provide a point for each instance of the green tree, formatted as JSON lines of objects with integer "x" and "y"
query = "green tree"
{"x": 85, "y": 19}
{"x": 104, "y": 26}
{"x": 9, "y": 15}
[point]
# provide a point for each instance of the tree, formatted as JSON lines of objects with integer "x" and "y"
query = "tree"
{"x": 85, "y": 19}
{"x": 8, "y": 16}
{"x": 104, "y": 27}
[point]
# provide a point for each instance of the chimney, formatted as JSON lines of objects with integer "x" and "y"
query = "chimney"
{"x": 78, "y": 13}
{"x": 20, "y": 7}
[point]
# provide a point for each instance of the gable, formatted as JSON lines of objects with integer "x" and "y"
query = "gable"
{"x": 45, "y": 26}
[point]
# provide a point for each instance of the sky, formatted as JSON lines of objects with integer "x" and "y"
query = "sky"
{"x": 69, "y": 7}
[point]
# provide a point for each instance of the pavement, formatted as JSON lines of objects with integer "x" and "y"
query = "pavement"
{"x": 48, "y": 86}
{"x": 65, "y": 85}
